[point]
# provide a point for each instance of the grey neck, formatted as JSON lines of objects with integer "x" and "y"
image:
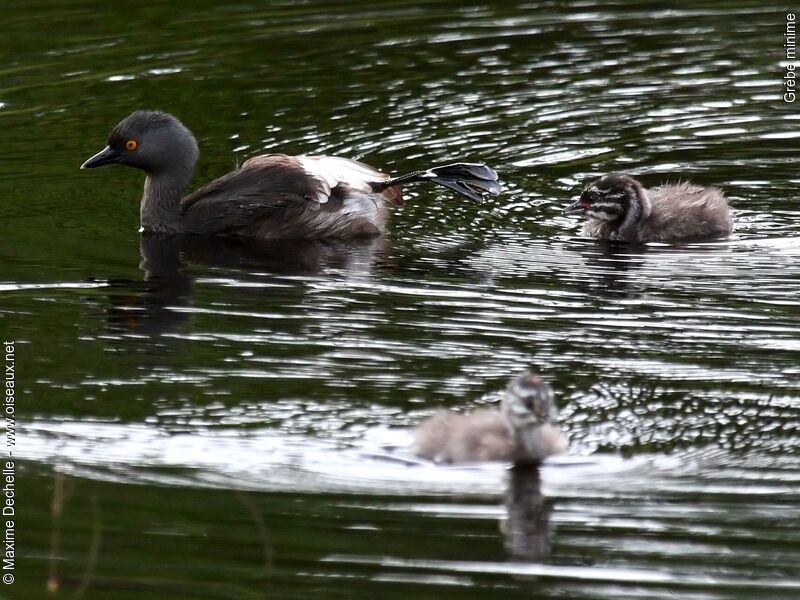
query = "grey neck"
{"x": 160, "y": 210}
{"x": 519, "y": 419}
{"x": 525, "y": 435}
{"x": 638, "y": 211}
{"x": 529, "y": 434}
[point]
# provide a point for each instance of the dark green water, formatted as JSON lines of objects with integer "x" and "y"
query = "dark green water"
{"x": 214, "y": 421}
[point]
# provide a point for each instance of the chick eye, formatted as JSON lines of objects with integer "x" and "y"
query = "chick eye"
{"x": 131, "y": 144}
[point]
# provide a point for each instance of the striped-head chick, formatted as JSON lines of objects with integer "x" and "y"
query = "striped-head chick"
{"x": 528, "y": 400}
{"x": 530, "y": 412}
{"x": 613, "y": 197}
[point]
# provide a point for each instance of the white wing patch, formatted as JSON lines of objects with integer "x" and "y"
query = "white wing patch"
{"x": 330, "y": 171}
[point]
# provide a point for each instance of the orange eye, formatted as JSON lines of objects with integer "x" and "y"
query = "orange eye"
{"x": 131, "y": 144}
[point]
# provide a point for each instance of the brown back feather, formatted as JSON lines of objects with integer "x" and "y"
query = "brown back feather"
{"x": 262, "y": 186}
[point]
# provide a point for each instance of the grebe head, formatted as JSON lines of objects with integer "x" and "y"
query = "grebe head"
{"x": 153, "y": 141}
{"x": 528, "y": 400}
{"x": 609, "y": 198}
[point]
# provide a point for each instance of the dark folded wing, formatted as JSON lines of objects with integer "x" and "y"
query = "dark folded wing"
{"x": 262, "y": 186}
{"x": 266, "y": 185}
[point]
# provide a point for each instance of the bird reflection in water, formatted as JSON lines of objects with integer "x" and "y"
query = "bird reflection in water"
{"x": 526, "y": 530}
{"x": 609, "y": 268}
{"x": 152, "y": 305}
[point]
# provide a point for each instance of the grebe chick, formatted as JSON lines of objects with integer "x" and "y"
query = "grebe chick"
{"x": 271, "y": 196}
{"x": 523, "y": 430}
{"x": 619, "y": 208}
